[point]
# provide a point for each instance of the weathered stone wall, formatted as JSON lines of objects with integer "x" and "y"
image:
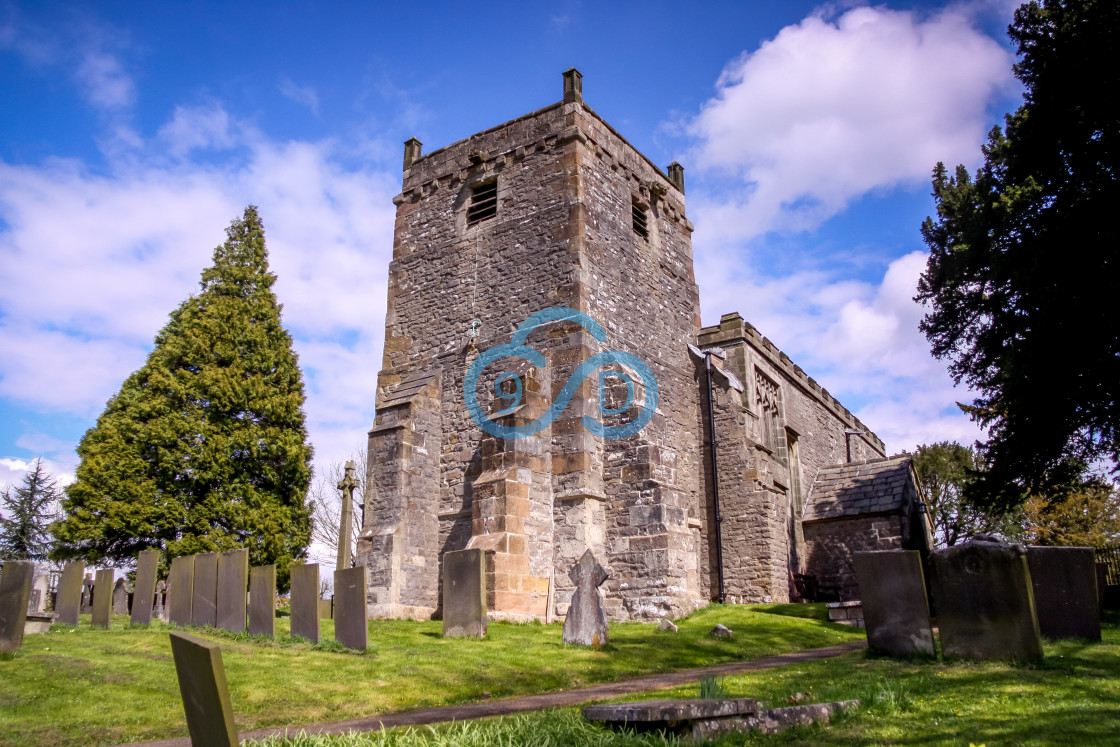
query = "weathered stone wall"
{"x": 831, "y": 544}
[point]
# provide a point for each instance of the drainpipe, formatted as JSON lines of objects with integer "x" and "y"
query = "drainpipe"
{"x": 715, "y": 476}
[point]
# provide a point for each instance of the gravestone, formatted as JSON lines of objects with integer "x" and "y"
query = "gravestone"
{"x": 120, "y": 598}
{"x": 69, "y": 598}
{"x": 204, "y": 602}
{"x": 103, "y": 598}
{"x": 202, "y": 683}
{"x": 262, "y": 600}
{"x": 87, "y": 594}
{"x": 985, "y": 606}
{"x": 158, "y": 611}
{"x": 464, "y": 593}
{"x": 895, "y": 608}
{"x": 15, "y": 590}
{"x": 40, "y": 593}
{"x": 1064, "y": 583}
{"x": 586, "y": 621}
{"x": 33, "y": 601}
{"x": 147, "y": 564}
{"x": 180, "y": 590}
{"x": 350, "y": 626}
{"x": 326, "y": 609}
{"x": 233, "y": 580}
{"x": 305, "y": 601}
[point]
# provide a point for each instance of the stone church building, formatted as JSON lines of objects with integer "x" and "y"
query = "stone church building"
{"x": 556, "y": 210}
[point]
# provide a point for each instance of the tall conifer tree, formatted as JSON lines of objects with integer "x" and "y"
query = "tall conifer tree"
{"x": 204, "y": 448}
{"x": 26, "y": 513}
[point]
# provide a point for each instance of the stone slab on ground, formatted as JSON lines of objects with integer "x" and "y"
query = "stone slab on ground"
{"x": 233, "y": 582}
{"x": 103, "y": 599}
{"x": 204, "y": 600}
{"x": 15, "y": 590}
{"x": 262, "y": 600}
{"x": 895, "y": 607}
{"x": 69, "y": 599}
{"x": 1064, "y": 583}
{"x": 39, "y": 622}
{"x": 202, "y": 683}
{"x": 305, "y": 601}
{"x": 351, "y": 628}
{"x": 143, "y": 594}
{"x": 464, "y": 593}
{"x": 984, "y": 602}
{"x": 180, "y": 590}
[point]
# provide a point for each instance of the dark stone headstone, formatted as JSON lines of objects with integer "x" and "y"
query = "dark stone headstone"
{"x": 202, "y": 683}
{"x": 586, "y": 621}
{"x": 103, "y": 598}
{"x": 305, "y": 601}
{"x": 204, "y": 603}
{"x": 69, "y": 598}
{"x": 985, "y": 606}
{"x": 15, "y": 590}
{"x": 87, "y": 594}
{"x": 895, "y": 608}
{"x": 180, "y": 590}
{"x": 233, "y": 580}
{"x": 147, "y": 564}
{"x": 1064, "y": 583}
{"x": 120, "y": 598}
{"x": 464, "y": 593}
{"x": 350, "y": 626}
{"x": 262, "y": 600}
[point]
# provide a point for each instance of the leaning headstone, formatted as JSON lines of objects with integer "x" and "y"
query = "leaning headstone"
{"x": 305, "y": 601}
{"x": 985, "y": 606}
{"x": 120, "y": 598}
{"x": 895, "y": 608}
{"x": 202, "y": 683}
{"x": 464, "y": 594}
{"x": 204, "y": 602}
{"x": 69, "y": 598}
{"x": 180, "y": 590}
{"x": 350, "y": 626}
{"x": 233, "y": 580}
{"x": 15, "y": 590}
{"x": 103, "y": 598}
{"x": 262, "y": 600}
{"x": 147, "y": 563}
{"x": 1064, "y": 583}
{"x": 586, "y": 621}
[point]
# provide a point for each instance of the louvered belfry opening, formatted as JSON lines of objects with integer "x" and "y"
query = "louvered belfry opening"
{"x": 640, "y": 226}
{"x": 484, "y": 202}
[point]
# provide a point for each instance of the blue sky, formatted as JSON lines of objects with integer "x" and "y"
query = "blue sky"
{"x": 131, "y": 134}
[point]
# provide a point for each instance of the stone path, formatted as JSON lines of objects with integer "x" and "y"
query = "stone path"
{"x": 557, "y": 699}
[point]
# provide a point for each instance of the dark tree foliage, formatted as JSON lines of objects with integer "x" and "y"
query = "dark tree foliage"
{"x": 26, "y": 513}
{"x": 204, "y": 448}
{"x": 1024, "y": 269}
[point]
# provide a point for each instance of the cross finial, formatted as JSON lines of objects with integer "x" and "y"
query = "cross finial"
{"x": 349, "y": 482}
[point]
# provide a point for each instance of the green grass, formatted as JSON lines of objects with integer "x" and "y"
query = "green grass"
{"x": 79, "y": 686}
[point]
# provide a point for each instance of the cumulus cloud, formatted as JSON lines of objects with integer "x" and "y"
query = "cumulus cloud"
{"x": 203, "y": 127}
{"x": 104, "y": 79}
{"x": 832, "y": 108}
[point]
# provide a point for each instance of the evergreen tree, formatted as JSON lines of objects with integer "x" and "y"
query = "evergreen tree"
{"x": 204, "y": 448}
{"x": 27, "y": 514}
{"x": 1023, "y": 268}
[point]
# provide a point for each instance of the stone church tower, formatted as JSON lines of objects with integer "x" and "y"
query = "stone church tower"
{"x": 556, "y": 210}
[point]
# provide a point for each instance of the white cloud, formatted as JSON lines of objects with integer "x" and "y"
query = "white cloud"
{"x": 304, "y": 95}
{"x": 197, "y": 127}
{"x": 105, "y": 82}
{"x": 831, "y": 109}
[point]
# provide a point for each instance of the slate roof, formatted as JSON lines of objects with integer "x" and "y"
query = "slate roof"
{"x": 874, "y": 486}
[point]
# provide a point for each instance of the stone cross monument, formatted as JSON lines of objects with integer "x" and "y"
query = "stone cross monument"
{"x": 349, "y": 482}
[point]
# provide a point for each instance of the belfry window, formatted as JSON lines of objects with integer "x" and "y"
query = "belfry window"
{"x": 484, "y": 202}
{"x": 641, "y": 227}
{"x": 768, "y": 397}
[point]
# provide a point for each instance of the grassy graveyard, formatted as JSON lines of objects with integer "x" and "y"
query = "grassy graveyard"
{"x": 80, "y": 686}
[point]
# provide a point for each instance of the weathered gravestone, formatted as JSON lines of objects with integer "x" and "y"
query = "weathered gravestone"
{"x": 147, "y": 564}
{"x": 350, "y": 626}
{"x": 326, "y": 609}
{"x": 103, "y": 598}
{"x": 40, "y": 593}
{"x": 180, "y": 590}
{"x": 464, "y": 593}
{"x": 586, "y": 621}
{"x": 233, "y": 579}
{"x": 895, "y": 609}
{"x": 202, "y": 683}
{"x": 87, "y": 594}
{"x": 15, "y": 590}
{"x": 120, "y": 597}
{"x": 69, "y": 598}
{"x": 204, "y": 602}
{"x": 1064, "y": 583}
{"x": 262, "y": 600}
{"x": 985, "y": 606}
{"x": 305, "y": 601}
{"x": 158, "y": 611}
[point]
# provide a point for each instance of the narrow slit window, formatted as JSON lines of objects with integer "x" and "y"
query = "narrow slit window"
{"x": 484, "y": 203}
{"x": 640, "y": 226}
